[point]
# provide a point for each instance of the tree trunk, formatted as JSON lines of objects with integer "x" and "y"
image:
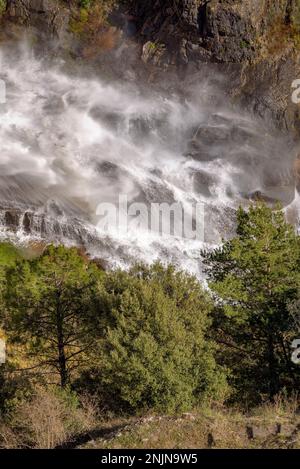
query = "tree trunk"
{"x": 62, "y": 363}
{"x": 273, "y": 378}
{"x": 288, "y": 362}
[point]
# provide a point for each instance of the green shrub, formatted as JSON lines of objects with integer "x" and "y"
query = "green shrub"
{"x": 90, "y": 18}
{"x": 2, "y": 7}
{"x": 49, "y": 417}
{"x": 8, "y": 253}
{"x": 85, "y": 3}
{"x": 156, "y": 355}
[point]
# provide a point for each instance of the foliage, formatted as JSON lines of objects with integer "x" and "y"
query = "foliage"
{"x": 9, "y": 254}
{"x": 155, "y": 354}
{"x": 85, "y": 3}
{"x": 254, "y": 277}
{"x": 211, "y": 428}
{"x": 78, "y": 24}
{"x": 47, "y": 300}
{"x": 2, "y": 6}
{"x": 295, "y": 15}
{"x": 91, "y": 17}
{"x": 140, "y": 333}
{"x": 294, "y": 309}
{"x": 47, "y": 419}
{"x": 151, "y": 338}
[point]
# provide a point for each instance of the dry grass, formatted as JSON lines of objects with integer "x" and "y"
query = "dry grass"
{"x": 47, "y": 420}
{"x": 278, "y": 37}
{"x": 51, "y": 419}
{"x": 209, "y": 428}
{"x": 105, "y": 41}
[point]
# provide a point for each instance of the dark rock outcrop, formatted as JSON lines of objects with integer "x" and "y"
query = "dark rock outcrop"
{"x": 216, "y": 30}
{"x": 254, "y": 42}
{"x": 24, "y": 221}
{"x": 50, "y": 17}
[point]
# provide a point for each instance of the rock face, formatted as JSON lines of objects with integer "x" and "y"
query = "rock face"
{"x": 50, "y": 17}
{"x": 253, "y": 40}
{"x": 27, "y": 222}
{"x": 256, "y": 42}
{"x": 216, "y": 30}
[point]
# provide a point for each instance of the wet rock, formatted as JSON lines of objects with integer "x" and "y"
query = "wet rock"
{"x": 225, "y": 29}
{"x": 26, "y": 223}
{"x": 183, "y": 52}
{"x": 47, "y": 16}
{"x": 153, "y": 53}
{"x": 202, "y": 183}
{"x": 232, "y": 32}
{"x": 140, "y": 127}
{"x": 53, "y": 208}
{"x": 45, "y": 225}
{"x": 11, "y": 219}
{"x": 210, "y": 135}
{"x": 110, "y": 119}
{"x": 190, "y": 15}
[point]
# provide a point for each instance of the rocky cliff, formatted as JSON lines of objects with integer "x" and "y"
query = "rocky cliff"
{"x": 49, "y": 17}
{"x": 256, "y": 42}
{"x": 227, "y": 31}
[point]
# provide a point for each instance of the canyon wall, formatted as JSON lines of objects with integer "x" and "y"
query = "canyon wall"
{"x": 256, "y": 42}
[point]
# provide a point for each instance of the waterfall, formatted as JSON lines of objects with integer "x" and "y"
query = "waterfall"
{"x": 69, "y": 142}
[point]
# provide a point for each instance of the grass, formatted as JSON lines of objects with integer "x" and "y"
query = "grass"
{"x": 48, "y": 417}
{"x": 56, "y": 419}
{"x": 265, "y": 428}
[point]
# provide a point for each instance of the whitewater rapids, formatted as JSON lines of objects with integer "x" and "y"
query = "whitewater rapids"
{"x": 69, "y": 143}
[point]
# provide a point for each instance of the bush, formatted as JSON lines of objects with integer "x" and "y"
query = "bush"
{"x": 2, "y": 7}
{"x": 47, "y": 420}
{"x": 91, "y": 18}
{"x": 9, "y": 254}
{"x": 85, "y": 3}
{"x": 155, "y": 354}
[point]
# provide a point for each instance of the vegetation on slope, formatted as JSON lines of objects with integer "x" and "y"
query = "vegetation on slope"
{"x": 2, "y": 7}
{"x": 85, "y": 346}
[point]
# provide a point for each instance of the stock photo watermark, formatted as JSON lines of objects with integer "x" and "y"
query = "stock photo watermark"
{"x": 2, "y": 92}
{"x": 296, "y": 92}
{"x": 296, "y": 352}
{"x": 2, "y": 351}
{"x": 178, "y": 220}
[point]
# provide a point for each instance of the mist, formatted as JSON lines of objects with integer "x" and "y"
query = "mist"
{"x": 70, "y": 142}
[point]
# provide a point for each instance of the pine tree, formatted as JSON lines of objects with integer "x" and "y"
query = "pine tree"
{"x": 48, "y": 304}
{"x": 254, "y": 276}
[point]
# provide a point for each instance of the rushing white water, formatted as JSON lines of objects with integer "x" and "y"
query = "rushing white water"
{"x": 68, "y": 143}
